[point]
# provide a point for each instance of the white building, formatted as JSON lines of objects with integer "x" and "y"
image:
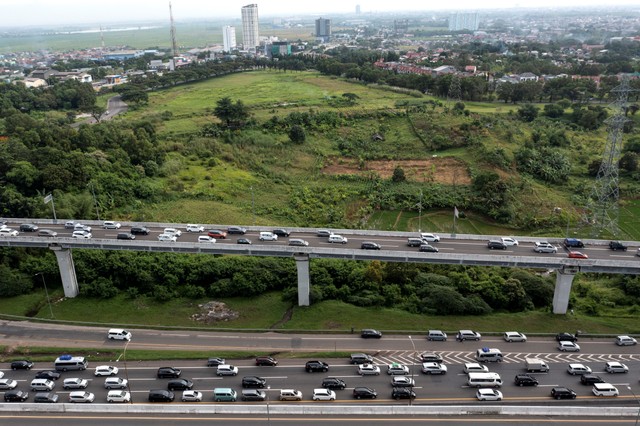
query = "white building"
{"x": 250, "y": 36}
{"x": 463, "y": 21}
{"x": 229, "y": 38}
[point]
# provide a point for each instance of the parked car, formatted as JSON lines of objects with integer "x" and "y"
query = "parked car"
{"x": 227, "y": 370}
{"x": 16, "y": 396}
{"x": 23, "y": 364}
{"x": 253, "y": 395}
{"x": 574, "y": 369}
{"x": 617, "y": 245}
{"x": 402, "y": 393}
{"x": 236, "y": 230}
{"x": 316, "y": 366}
{"x": 281, "y": 232}
{"x": 468, "y": 335}
{"x": 427, "y": 248}
{"x": 161, "y": 395}
{"x": 125, "y": 236}
{"x": 118, "y": 396}
{"x": 566, "y": 337}
{"x": 140, "y": 230}
{"x": 433, "y": 368}
{"x": 514, "y": 336}
{"x": 179, "y": 384}
{"x": 335, "y": 238}
{"x": 402, "y": 381}
{"x": 110, "y": 224}
{"x": 266, "y": 360}
{"x": 298, "y": 242}
{"x": 323, "y": 394}
{"x": 216, "y": 233}
{"x": 333, "y": 383}
{"x": 577, "y": 255}
{"x": 81, "y": 234}
{"x": 573, "y": 243}
{"x": 568, "y": 346}
{"x": 46, "y": 397}
{"x": 191, "y": 396}
{"x": 590, "y": 379}
{"x": 560, "y": 392}
{"x": 474, "y": 367}
{"x": 487, "y": 394}
{"x": 544, "y": 247}
{"x": 253, "y": 382}
{"x": 509, "y": 241}
{"x": 290, "y": 395}
{"x": 105, "y": 370}
{"x": 168, "y": 372}
{"x": 28, "y": 227}
{"x": 81, "y": 396}
{"x": 368, "y": 370}
{"x": 496, "y": 245}
{"x": 626, "y": 341}
{"x": 615, "y": 367}
{"x": 191, "y": 227}
{"x": 47, "y": 233}
{"x": 364, "y": 392}
{"x": 369, "y": 245}
{"x": 370, "y": 333}
{"x": 525, "y": 380}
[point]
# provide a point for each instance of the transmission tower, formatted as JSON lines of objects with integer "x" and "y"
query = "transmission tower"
{"x": 603, "y": 204}
{"x": 455, "y": 93}
{"x": 174, "y": 43}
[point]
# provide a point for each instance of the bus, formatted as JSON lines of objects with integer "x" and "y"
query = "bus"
{"x": 480, "y": 380}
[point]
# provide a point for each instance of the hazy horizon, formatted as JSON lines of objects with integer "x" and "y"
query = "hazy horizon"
{"x": 19, "y": 13}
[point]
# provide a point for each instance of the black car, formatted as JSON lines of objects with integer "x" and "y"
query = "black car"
{"x": 22, "y": 364}
{"x": 563, "y": 393}
{"x": 48, "y": 374}
{"x": 125, "y": 236}
{"x": 369, "y": 245}
{"x": 46, "y": 397}
{"x": 525, "y": 380}
{"x": 281, "y": 232}
{"x": 179, "y": 384}
{"x": 333, "y": 383}
{"x": 323, "y": 233}
{"x": 589, "y": 379}
{"x": 28, "y": 227}
{"x": 253, "y": 395}
{"x": 266, "y": 360}
{"x": 168, "y": 372}
{"x": 253, "y": 382}
{"x": 402, "y": 393}
{"x": 215, "y": 361}
{"x": 161, "y": 395}
{"x": 15, "y": 396}
{"x": 360, "y": 358}
{"x": 244, "y": 241}
{"x": 496, "y": 245}
{"x": 363, "y": 392}
{"x": 140, "y": 230}
{"x": 566, "y": 337}
{"x": 236, "y": 230}
{"x": 573, "y": 243}
{"x": 428, "y": 248}
{"x": 613, "y": 245}
{"x": 316, "y": 366}
{"x": 369, "y": 333}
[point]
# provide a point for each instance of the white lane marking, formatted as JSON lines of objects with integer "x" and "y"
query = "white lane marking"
{"x": 176, "y": 335}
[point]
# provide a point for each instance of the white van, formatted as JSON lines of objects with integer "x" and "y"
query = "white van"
{"x": 484, "y": 380}
{"x": 206, "y": 239}
{"x": 42, "y": 385}
{"x": 268, "y": 236}
{"x": 119, "y": 334}
{"x": 69, "y": 363}
{"x": 604, "y": 389}
{"x": 489, "y": 355}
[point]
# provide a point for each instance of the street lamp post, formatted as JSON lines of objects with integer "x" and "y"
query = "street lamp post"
{"x": 46, "y": 292}
{"x": 638, "y": 401}
{"x": 412, "y": 368}
{"x": 126, "y": 370}
{"x": 268, "y": 413}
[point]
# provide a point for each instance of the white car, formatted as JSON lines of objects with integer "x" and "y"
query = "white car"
{"x": 615, "y": 367}
{"x": 578, "y": 369}
{"x": 167, "y": 237}
{"x": 206, "y": 239}
{"x": 8, "y": 384}
{"x": 509, "y": 241}
{"x": 335, "y": 238}
{"x": 395, "y": 368}
{"x": 8, "y": 232}
{"x": 433, "y": 368}
{"x": 268, "y": 236}
{"x": 368, "y": 370}
{"x": 322, "y": 394}
{"x": 109, "y": 224}
{"x": 545, "y": 247}
{"x": 402, "y": 381}
{"x": 118, "y": 396}
{"x": 106, "y": 370}
{"x": 227, "y": 370}
{"x": 81, "y": 234}
{"x": 195, "y": 228}
{"x": 75, "y": 383}
{"x": 430, "y": 238}
{"x": 514, "y": 336}
{"x": 81, "y": 396}
{"x": 626, "y": 341}
{"x": 485, "y": 394}
{"x": 80, "y": 227}
{"x": 474, "y": 367}
{"x": 172, "y": 231}
{"x": 566, "y": 346}
{"x": 604, "y": 389}
{"x": 191, "y": 396}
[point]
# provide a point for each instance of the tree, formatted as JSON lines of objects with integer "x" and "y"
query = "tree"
{"x": 232, "y": 115}
{"x": 297, "y": 134}
{"x": 350, "y": 97}
{"x": 528, "y": 112}
{"x": 398, "y": 175}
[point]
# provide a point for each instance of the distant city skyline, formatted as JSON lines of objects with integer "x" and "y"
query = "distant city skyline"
{"x": 17, "y": 13}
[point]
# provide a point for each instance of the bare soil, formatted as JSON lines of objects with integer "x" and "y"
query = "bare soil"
{"x": 445, "y": 170}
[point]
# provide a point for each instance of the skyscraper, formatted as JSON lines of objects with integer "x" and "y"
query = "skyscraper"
{"x": 250, "y": 37}
{"x": 229, "y": 38}
{"x": 357, "y": 9}
{"x": 323, "y": 29}
{"x": 463, "y": 21}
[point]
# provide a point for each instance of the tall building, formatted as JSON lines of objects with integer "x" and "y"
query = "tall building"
{"x": 323, "y": 29}
{"x": 463, "y": 21}
{"x": 357, "y": 9}
{"x": 250, "y": 37}
{"x": 229, "y": 38}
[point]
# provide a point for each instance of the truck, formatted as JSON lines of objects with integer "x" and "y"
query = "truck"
{"x": 536, "y": 364}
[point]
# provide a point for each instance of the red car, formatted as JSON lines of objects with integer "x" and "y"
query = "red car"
{"x": 216, "y": 233}
{"x": 577, "y": 255}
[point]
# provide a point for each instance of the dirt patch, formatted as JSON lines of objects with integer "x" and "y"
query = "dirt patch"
{"x": 445, "y": 170}
{"x": 214, "y": 312}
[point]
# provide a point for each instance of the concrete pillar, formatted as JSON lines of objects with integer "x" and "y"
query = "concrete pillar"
{"x": 302, "y": 264}
{"x": 564, "y": 279}
{"x": 67, "y": 271}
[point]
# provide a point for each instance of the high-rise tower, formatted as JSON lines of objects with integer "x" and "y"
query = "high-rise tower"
{"x": 174, "y": 43}
{"x": 229, "y": 38}
{"x": 250, "y": 37}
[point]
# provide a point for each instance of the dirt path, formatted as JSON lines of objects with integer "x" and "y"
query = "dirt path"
{"x": 285, "y": 318}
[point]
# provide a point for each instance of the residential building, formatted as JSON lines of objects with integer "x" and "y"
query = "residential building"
{"x": 229, "y": 38}
{"x": 463, "y": 21}
{"x": 250, "y": 35}
{"x": 278, "y": 48}
{"x": 323, "y": 29}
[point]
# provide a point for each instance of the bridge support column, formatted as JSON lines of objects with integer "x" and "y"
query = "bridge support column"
{"x": 302, "y": 264}
{"x": 67, "y": 271}
{"x": 564, "y": 279}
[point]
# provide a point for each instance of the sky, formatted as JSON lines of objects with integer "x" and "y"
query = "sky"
{"x": 60, "y": 12}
